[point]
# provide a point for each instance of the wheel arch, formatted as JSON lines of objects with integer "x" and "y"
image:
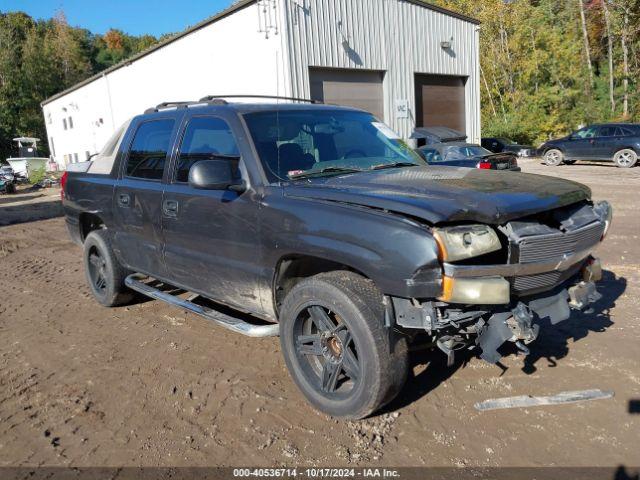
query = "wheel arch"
{"x": 293, "y": 268}
{"x": 88, "y": 222}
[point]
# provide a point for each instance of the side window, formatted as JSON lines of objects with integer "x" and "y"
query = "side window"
{"x": 627, "y": 132}
{"x": 608, "y": 131}
{"x": 589, "y": 132}
{"x": 148, "y": 153}
{"x": 205, "y": 138}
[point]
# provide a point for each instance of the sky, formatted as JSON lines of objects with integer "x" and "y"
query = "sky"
{"x": 136, "y": 17}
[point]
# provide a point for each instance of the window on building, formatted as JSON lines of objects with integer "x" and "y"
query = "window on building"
{"x": 53, "y": 146}
{"x": 64, "y": 123}
{"x": 205, "y": 138}
{"x": 148, "y": 153}
{"x": 70, "y": 123}
{"x": 87, "y": 155}
{"x": 75, "y": 158}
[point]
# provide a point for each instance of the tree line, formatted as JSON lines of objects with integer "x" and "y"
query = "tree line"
{"x": 546, "y": 66}
{"x": 549, "y": 66}
{"x": 39, "y": 58}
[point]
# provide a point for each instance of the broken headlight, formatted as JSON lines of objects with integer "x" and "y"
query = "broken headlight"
{"x": 466, "y": 241}
{"x": 605, "y": 211}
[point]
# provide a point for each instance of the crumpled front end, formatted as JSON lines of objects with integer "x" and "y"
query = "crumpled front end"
{"x": 527, "y": 271}
{"x": 519, "y": 325}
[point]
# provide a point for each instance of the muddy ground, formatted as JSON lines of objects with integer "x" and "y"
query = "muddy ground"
{"x": 149, "y": 384}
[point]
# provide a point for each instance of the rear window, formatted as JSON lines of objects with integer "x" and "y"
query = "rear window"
{"x": 148, "y": 153}
{"x": 461, "y": 153}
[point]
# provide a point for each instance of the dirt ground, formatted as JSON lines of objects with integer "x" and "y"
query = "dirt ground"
{"x": 150, "y": 384}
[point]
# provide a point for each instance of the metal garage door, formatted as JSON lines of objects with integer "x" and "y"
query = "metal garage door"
{"x": 354, "y": 88}
{"x": 440, "y": 102}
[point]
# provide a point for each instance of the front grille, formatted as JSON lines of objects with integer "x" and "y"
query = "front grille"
{"x": 557, "y": 245}
{"x": 530, "y": 284}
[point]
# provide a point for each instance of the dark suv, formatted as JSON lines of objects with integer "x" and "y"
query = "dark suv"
{"x": 501, "y": 144}
{"x": 319, "y": 224}
{"x": 617, "y": 142}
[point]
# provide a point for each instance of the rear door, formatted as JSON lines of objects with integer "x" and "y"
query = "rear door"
{"x": 138, "y": 195}
{"x": 609, "y": 140}
{"x": 212, "y": 239}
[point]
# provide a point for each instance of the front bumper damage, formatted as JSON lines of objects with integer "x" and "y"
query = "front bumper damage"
{"x": 517, "y": 325}
{"x": 453, "y": 329}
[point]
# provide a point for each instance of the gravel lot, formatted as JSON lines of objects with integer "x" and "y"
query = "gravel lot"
{"x": 149, "y": 384}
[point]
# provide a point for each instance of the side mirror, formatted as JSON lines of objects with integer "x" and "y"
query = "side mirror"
{"x": 215, "y": 175}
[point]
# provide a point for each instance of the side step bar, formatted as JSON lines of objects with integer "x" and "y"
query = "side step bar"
{"x": 134, "y": 282}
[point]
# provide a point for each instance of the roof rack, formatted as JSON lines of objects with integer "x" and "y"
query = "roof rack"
{"x": 221, "y": 100}
{"x": 274, "y": 97}
{"x": 165, "y": 105}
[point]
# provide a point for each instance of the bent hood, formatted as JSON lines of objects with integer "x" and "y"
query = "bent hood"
{"x": 445, "y": 194}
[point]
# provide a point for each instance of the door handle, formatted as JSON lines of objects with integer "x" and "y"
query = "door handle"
{"x": 170, "y": 208}
{"x": 124, "y": 200}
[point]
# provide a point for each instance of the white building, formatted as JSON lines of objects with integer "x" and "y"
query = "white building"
{"x": 408, "y": 62}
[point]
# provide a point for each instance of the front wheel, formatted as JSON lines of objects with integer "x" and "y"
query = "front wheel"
{"x": 553, "y": 157}
{"x": 626, "y": 158}
{"x": 337, "y": 348}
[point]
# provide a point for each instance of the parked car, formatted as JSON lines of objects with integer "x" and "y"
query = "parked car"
{"x": 501, "y": 144}
{"x": 444, "y": 146}
{"x": 321, "y": 224}
{"x": 617, "y": 142}
{"x": 7, "y": 180}
{"x": 469, "y": 155}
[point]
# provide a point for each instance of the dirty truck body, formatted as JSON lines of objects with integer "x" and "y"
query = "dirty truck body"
{"x": 320, "y": 224}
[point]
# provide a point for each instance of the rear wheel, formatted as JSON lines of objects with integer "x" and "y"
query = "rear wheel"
{"x": 103, "y": 272}
{"x": 626, "y": 158}
{"x": 553, "y": 157}
{"x": 336, "y": 347}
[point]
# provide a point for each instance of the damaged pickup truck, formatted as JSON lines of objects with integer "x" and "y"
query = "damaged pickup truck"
{"x": 318, "y": 224}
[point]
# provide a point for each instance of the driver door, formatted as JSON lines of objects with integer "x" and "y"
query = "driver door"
{"x": 211, "y": 237}
{"x": 581, "y": 144}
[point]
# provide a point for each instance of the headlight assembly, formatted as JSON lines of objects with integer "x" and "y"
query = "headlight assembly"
{"x": 466, "y": 241}
{"x": 605, "y": 211}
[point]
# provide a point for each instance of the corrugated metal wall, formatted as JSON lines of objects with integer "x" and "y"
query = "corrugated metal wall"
{"x": 394, "y": 36}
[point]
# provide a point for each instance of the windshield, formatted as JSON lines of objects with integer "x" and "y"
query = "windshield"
{"x": 462, "y": 153}
{"x": 317, "y": 142}
{"x": 506, "y": 141}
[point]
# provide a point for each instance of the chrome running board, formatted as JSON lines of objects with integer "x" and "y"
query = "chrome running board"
{"x": 134, "y": 282}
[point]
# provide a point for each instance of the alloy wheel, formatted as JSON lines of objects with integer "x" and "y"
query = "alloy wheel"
{"x": 625, "y": 158}
{"x": 97, "y": 270}
{"x": 326, "y": 352}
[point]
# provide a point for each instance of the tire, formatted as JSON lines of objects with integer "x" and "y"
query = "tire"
{"x": 337, "y": 348}
{"x": 553, "y": 157}
{"x": 105, "y": 276}
{"x": 625, "y": 158}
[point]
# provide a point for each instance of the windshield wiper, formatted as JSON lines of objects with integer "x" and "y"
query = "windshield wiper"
{"x": 311, "y": 173}
{"x": 393, "y": 165}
